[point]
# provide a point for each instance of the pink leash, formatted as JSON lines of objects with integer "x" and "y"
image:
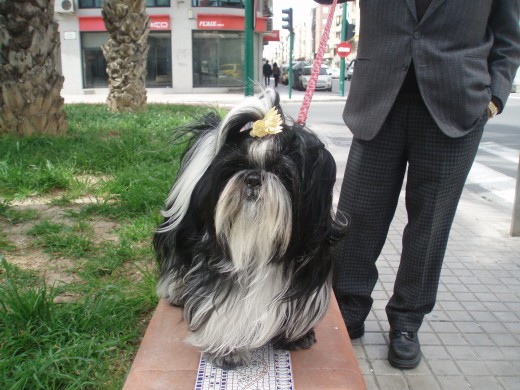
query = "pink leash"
{"x": 304, "y": 110}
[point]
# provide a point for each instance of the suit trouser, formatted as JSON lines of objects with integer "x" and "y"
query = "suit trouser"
{"x": 436, "y": 167}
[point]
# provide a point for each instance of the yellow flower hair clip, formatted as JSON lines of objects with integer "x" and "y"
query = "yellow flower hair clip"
{"x": 271, "y": 124}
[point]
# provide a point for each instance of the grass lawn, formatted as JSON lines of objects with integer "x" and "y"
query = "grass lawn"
{"x": 77, "y": 271}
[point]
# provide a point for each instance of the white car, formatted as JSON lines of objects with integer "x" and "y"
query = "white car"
{"x": 334, "y": 72}
{"x": 324, "y": 81}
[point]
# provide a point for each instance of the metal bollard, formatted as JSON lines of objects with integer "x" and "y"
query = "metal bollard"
{"x": 515, "y": 224}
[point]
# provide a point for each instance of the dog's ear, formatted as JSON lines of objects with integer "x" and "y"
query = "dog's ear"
{"x": 318, "y": 184}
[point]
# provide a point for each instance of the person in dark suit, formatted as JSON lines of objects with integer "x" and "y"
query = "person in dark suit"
{"x": 429, "y": 74}
{"x": 267, "y": 71}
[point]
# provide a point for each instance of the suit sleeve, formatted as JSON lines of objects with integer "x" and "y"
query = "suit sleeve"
{"x": 504, "y": 57}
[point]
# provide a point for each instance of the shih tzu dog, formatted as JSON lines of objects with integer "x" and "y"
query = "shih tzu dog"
{"x": 244, "y": 246}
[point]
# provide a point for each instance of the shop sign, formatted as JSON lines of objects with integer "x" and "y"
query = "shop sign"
{"x": 227, "y": 22}
{"x": 96, "y": 23}
{"x": 273, "y": 36}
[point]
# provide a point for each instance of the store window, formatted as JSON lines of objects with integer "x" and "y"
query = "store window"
{"x": 94, "y": 64}
{"x": 218, "y": 58}
{"x": 158, "y": 64}
{"x": 218, "y": 3}
{"x": 99, "y": 3}
{"x": 157, "y": 3}
{"x": 90, "y": 3}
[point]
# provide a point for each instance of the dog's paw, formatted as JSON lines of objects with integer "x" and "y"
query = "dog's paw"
{"x": 230, "y": 361}
{"x": 303, "y": 343}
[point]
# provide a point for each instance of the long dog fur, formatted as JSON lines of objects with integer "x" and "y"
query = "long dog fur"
{"x": 244, "y": 246}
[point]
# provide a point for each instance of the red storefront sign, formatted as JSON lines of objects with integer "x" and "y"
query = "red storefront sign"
{"x": 227, "y": 22}
{"x": 273, "y": 36}
{"x": 95, "y": 23}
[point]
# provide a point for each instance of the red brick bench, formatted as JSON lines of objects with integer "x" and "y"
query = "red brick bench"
{"x": 166, "y": 361}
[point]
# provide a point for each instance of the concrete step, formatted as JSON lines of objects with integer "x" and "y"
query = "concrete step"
{"x": 166, "y": 361}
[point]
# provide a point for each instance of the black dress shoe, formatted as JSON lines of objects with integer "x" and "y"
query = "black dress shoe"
{"x": 405, "y": 350}
{"x": 356, "y": 331}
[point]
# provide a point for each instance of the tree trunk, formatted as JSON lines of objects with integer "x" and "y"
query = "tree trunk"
{"x": 30, "y": 85}
{"x": 125, "y": 52}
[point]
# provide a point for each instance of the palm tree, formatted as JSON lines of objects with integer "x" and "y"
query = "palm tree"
{"x": 30, "y": 85}
{"x": 125, "y": 52}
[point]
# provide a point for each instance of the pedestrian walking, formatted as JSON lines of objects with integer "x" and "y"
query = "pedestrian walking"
{"x": 429, "y": 75}
{"x": 276, "y": 74}
{"x": 267, "y": 71}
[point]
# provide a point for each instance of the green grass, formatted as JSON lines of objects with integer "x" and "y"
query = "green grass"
{"x": 83, "y": 345}
{"x": 127, "y": 163}
{"x": 13, "y": 216}
{"x": 63, "y": 240}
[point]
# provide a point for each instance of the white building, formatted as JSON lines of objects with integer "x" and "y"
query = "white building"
{"x": 309, "y": 30}
{"x": 196, "y": 46}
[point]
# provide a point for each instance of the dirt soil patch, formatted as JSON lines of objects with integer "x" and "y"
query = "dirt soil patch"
{"x": 26, "y": 255}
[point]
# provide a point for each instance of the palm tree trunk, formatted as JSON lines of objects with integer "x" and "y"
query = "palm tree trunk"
{"x": 30, "y": 85}
{"x": 125, "y": 52}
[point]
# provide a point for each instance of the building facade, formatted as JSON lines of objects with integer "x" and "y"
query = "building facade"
{"x": 309, "y": 30}
{"x": 196, "y": 46}
{"x": 331, "y": 55}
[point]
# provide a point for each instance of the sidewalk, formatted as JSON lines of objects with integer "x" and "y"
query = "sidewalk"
{"x": 221, "y": 99}
{"x": 472, "y": 338}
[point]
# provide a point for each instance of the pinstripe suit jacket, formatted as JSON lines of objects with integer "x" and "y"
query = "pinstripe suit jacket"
{"x": 463, "y": 51}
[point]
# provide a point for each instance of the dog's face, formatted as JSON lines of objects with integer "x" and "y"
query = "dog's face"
{"x": 268, "y": 198}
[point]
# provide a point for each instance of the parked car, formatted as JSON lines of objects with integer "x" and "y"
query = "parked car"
{"x": 284, "y": 76}
{"x": 334, "y": 72}
{"x": 350, "y": 70}
{"x": 233, "y": 71}
{"x": 297, "y": 71}
{"x": 324, "y": 81}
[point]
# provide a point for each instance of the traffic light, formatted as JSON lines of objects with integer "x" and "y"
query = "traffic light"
{"x": 287, "y": 17}
{"x": 351, "y": 29}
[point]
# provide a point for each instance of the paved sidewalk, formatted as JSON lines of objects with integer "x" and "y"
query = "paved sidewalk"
{"x": 220, "y": 99}
{"x": 472, "y": 338}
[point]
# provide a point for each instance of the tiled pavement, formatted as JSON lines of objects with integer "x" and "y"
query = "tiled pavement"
{"x": 471, "y": 340}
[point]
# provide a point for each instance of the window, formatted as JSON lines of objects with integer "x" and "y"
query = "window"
{"x": 99, "y": 3}
{"x": 158, "y": 63}
{"x": 90, "y": 3}
{"x": 218, "y": 58}
{"x": 94, "y": 63}
{"x": 157, "y": 3}
{"x": 218, "y": 3}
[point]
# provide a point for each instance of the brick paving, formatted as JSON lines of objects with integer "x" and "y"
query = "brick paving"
{"x": 471, "y": 340}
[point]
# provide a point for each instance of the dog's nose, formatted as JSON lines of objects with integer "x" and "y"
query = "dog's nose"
{"x": 253, "y": 179}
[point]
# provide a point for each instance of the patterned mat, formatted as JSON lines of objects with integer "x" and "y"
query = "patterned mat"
{"x": 270, "y": 369}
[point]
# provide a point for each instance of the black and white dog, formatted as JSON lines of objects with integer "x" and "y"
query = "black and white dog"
{"x": 248, "y": 227}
